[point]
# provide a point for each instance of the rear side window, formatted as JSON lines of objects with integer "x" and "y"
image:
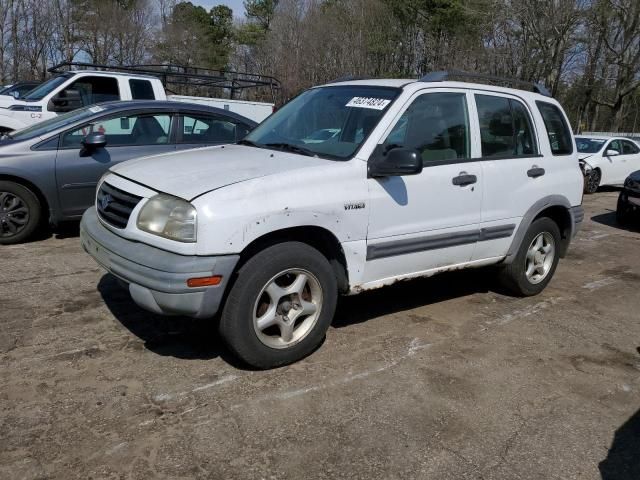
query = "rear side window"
{"x": 506, "y": 129}
{"x": 557, "y": 129}
{"x": 141, "y": 90}
{"x": 629, "y": 148}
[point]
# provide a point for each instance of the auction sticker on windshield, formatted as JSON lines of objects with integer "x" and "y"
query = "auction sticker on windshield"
{"x": 368, "y": 102}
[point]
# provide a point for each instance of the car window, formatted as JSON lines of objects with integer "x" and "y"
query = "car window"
{"x": 557, "y": 128}
{"x": 211, "y": 129}
{"x": 615, "y": 145}
{"x": 47, "y": 87}
{"x": 589, "y": 145}
{"x": 121, "y": 131}
{"x": 141, "y": 90}
{"x": 629, "y": 148}
{"x": 497, "y": 132}
{"x": 96, "y": 89}
{"x": 435, "y": 124}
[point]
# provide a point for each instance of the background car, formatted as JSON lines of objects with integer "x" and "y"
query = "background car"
{"x": 19, "y": 89}
{"x": 629, "y": 199}
{"x": 51, "y": 169}
{"x": 606, "y": 161}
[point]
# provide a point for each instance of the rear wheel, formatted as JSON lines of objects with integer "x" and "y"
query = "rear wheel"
{"x": 280, "y": 305}
{"x": 592, "y": 181}
{"x": 536, "y": 260}
{"x": 19, "y": 213}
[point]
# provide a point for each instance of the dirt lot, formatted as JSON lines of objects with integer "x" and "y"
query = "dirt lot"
{"x": 442, "y": 378}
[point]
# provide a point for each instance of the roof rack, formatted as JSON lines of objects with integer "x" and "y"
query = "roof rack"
{"x": 484, "y": 78}
{"x": 182, "y": 76}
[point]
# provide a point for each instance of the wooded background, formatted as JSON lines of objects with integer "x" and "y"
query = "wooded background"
{"x": 586, "y": 51}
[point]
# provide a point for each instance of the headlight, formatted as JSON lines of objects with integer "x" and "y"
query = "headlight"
{"x": 169, "y": 217}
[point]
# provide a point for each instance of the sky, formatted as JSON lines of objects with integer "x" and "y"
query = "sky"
{"x": 235, "y": 5}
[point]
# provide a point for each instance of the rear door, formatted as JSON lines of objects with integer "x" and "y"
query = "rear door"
{"x": 130, "y": 136}
{"x": 204, "y": 129}
{"x": 631, "y": 157}
{"x": 516, "y": 174}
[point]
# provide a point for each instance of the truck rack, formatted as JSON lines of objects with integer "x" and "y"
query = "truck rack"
{"x": 453, "y": 75}
{"x": 182, "y": 76}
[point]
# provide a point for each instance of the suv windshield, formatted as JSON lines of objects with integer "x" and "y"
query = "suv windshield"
{"x": 330, "y": 122}
{"x": 47, "y": 87}
{"x": 589, "y": 145}
{"x": 43, "y": 128}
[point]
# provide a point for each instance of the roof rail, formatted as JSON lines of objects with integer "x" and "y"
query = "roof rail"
{"x": 441, "y": 76}
{"x": 182, "y": 76}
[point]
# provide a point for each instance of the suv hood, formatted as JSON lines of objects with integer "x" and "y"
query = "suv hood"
{"x": 190, "y": 173}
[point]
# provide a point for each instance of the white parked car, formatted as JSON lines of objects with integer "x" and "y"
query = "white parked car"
{"x": 424, "y": 177}
{"x": 606, "y": 160}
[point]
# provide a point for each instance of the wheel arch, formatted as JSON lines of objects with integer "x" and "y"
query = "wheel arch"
{"x": 318, "y": 237}
{"x": 555, "y": 207}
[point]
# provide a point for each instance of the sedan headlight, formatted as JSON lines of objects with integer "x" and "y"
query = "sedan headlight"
{"x": 169, "y": 217}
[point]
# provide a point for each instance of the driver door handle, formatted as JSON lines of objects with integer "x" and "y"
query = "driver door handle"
{"x": 464, "y": 179}
{"x": 535, "y": 172}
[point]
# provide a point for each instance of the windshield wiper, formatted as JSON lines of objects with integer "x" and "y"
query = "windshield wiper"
{"x": 249, "y": 143}
{"x": 292, "y": 148}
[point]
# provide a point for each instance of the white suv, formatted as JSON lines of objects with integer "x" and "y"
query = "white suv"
{"x": 422, "y": 177}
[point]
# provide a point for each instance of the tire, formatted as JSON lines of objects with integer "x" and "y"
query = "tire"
{"x": 592, "y": 181}
{"x": 19, "y": 213}
{"x": 623, "y": 212}
{"x": 514, "y": 275}
{"x": 290, "y": 330}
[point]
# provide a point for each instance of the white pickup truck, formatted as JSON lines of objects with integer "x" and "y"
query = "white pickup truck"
{"x": 70, "y": 90}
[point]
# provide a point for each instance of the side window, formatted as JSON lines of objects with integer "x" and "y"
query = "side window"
{"x": 210, "y": 129}
{"x": 141, "y": 90}
{"x": 122, "y": 131}
{"x": 523, "y": 129}
{"x": 615, "y": 145}
{"x": 558, "y": 131}
{"x": 629, "y": 148}
{"x": 435, "y": 124}
{"x": 497, "y": 133}
{"x": 96, "y": 89}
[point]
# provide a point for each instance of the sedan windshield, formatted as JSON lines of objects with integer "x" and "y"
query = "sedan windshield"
{"x": 43, "y": 128}
{"x": 47, "y": 87}
{"x": 330, "y": 122}
{"x": 589, "y": 145}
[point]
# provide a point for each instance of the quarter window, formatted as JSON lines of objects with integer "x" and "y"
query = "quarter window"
{"x": 557, "y": 128}
{"x": 121, "y": 131}
{"x": 506, "y": 129}
{"x": 435, "y": 124}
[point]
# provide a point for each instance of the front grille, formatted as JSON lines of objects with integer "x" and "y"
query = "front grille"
{"x": 114, "y": 206}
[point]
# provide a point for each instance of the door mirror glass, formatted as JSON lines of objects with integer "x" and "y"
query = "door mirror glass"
{"x": 94, "y": 141}
{"x": 396, "y": 162}
{"x": 612, "y": 153}
{"x": 65, "y": 101}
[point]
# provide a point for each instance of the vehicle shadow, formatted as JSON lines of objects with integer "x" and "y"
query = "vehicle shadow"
{"x": 179, "y": 337}
{"x": 623, "y": 458}
{"x": 609, "y": 219}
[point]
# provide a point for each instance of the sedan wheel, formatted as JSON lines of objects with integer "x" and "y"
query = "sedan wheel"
{"x": 19, "y": 212}
{"x": 592, "y": 181}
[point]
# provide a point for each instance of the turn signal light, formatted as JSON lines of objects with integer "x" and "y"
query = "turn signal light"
{"x": 204, "y": 281}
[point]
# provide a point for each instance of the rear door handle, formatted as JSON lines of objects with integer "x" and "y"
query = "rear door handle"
{"x": 535, "y": 172}
{"x": 464, "y": 179}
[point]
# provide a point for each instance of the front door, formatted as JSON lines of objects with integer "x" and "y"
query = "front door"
{"x": 429, "y": 220}
{"x": 78, "y": 169}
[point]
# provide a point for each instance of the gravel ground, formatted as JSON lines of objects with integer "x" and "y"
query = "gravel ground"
{"x": 443, "y": 378}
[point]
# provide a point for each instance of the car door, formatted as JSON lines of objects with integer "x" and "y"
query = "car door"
{"x": 429, "y": 220}
{"x": 78, "y": 169}
{"x": 516, "y": 175}
{"x": 631, "y": 154}
{"x": 613, "y": 166}
{"x": 204, "y": 129}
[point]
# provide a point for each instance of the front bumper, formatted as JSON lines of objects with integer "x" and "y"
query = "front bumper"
{"x": 157, "y": 279}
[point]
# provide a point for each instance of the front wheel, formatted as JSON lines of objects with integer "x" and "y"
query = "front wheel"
{"x": 592, "y": 181}
{"x": 280, "y": 305}
{"x": 19, "y": 213}
{"x": 536, "y": 260}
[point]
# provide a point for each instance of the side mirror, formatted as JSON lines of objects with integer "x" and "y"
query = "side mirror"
{"x": 396, "y": 162}
{"x": 612, "y": 153}
{"x": 94, "y": 140}
{"x": 65, "y": 101}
